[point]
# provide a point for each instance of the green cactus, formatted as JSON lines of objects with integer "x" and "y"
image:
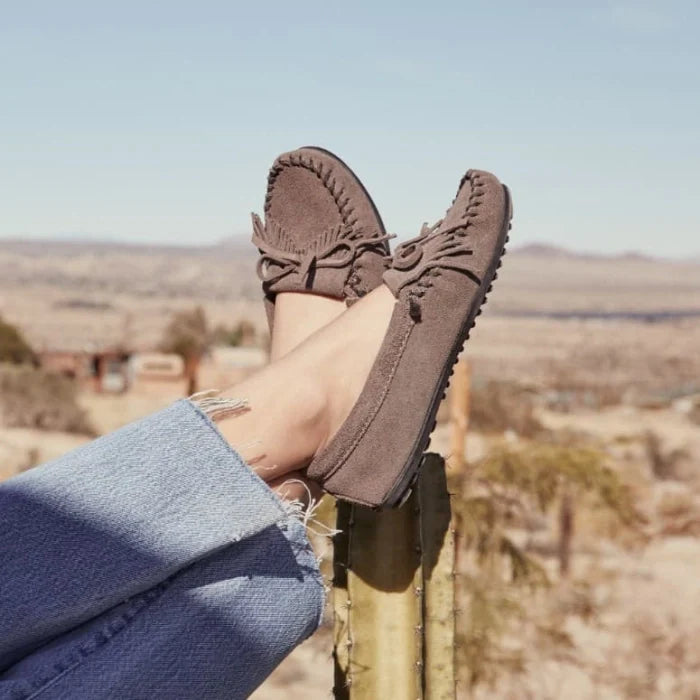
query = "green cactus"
{"x": 393, "y": 596}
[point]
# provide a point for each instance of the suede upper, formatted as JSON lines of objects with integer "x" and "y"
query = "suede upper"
{"x": 322, "y": 232}
{"x": 440, "y": 280}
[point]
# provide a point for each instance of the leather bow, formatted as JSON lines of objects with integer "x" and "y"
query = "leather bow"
{"x": 432, "y": 249}
{"x": 334, "y": 250}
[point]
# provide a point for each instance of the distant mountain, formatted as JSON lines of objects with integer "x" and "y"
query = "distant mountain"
{"x": 545, "y": 251}
{"x": 236, "y": 243}
{"x": 239, "y": 245}
{"x": 541, "y": 250}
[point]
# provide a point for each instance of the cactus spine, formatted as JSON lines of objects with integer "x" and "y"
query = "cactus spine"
{"x": 394, "y": 596}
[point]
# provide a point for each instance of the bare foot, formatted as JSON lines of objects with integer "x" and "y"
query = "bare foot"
{"x": 297, "y": 317}
{"x": 298, "y": 403}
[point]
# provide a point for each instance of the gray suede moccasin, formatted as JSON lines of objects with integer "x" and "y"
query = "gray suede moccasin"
{"x": 440, "y": 281}
{"x": 322, "y": 233}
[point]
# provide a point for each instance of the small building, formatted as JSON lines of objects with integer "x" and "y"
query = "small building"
{"x": 104, "y": 371}
{"x": 154, "y": 373}
{"x": 157, "y": 373}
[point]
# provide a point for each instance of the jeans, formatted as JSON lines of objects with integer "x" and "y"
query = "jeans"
{"x": 150, "y": 563}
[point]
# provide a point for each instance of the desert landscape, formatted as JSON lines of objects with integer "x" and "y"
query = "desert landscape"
{"x": 574, "y": 352}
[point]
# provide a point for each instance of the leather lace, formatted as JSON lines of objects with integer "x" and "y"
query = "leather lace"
{"x": 431, "y": 250}
{"x": 337, "y": 248}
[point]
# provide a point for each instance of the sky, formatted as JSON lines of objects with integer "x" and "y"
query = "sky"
{"x": 157, "y": 122}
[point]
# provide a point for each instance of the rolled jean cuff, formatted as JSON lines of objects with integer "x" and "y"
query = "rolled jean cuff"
{"x": 116, "y": 517}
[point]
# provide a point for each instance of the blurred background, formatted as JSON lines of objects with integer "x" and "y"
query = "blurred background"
{"x": 136, "y": 139}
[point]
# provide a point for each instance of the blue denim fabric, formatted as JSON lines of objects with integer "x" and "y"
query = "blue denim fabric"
{"x": 151, "y": 563}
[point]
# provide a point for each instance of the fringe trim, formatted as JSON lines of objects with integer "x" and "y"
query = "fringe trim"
{"x": 305, "y": 515}
{"x": 216, "y": 407}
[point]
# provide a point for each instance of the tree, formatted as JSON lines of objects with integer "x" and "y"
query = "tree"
{"x": 510, "y": 485}
{"x": 187, "y": 335}
{"x": 543, "y": 475}
{"x": 13, "y": 347}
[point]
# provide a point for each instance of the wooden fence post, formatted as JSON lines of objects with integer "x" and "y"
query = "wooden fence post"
{"x": 459, "y": 416}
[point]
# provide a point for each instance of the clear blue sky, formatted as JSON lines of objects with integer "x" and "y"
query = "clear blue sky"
{"x": 157, "y": 121}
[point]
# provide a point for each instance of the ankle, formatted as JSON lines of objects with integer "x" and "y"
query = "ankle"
{"x": 309, "y": 400}
{"x": 298, "y": 316}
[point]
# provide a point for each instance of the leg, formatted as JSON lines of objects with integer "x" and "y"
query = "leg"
{"x": 306, "y": 395}
{"x": 298, "y": 316}
{"x": 120, "y": 516}
{"x": 115, "y": 518}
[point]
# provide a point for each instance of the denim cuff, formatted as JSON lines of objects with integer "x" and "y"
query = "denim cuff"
{"x": 118, "y": 516}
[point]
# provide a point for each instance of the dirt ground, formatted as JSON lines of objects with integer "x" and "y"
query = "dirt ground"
{"x": 624, "y": 384}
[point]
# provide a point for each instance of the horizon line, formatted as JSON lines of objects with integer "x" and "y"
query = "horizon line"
{"x": 545, "y": 246}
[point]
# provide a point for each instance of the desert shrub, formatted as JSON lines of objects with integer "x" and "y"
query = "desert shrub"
{"x": 30, "y": 460}
{"x": 491, "y": 613}
{"x": 33, "y": 398}
{"x": 499, "y": 406}
{"x": 581, "y": 383}
{"x": 539, "y": 473}
{"x": 678, "y": 510}
{"x": 497, "y": 571}
{"x": 13, "y": 346}
{"x": 664, "y": 463}
{"x": 694, "y": 414}
{"x": 188, "y": 336}
{"x": 242, "y": 333}
{"x": 499, "y": 492}
{"x": 676, "y": 504}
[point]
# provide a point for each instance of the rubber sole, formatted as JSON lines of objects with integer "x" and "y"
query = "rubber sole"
{"x": 406, "y": 480}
